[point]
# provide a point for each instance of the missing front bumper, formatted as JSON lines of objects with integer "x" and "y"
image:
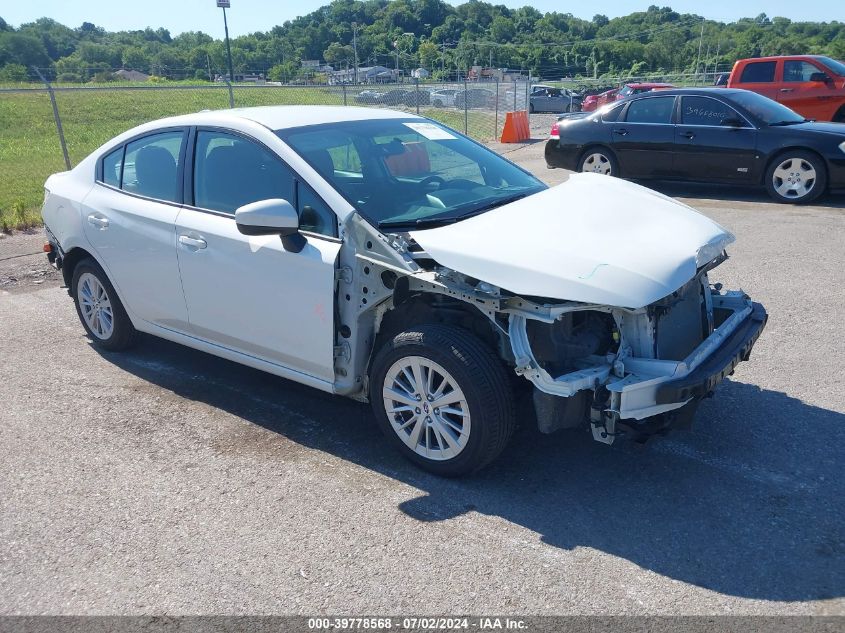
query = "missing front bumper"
{"x": 640, "y": 388}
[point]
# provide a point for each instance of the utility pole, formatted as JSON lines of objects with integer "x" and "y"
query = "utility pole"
{"x": 225, "y": 4}
{"x": 698, "y": 60}
{"x": 355, "y": 48}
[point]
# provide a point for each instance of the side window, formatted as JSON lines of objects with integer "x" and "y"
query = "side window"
{"x": 797, "y": 70}
{"x": 651, "y": 110}
{"x": 150, "y": 166}
{"x": 758, "y": 72}
{"x": 314, "y": 214}
{"x": 230, "y": 171}
{"x": 112, "y": 164}
{"x": 704, "y": 111}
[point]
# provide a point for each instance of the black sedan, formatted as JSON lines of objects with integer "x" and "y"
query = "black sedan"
{"x": 705, "y": 135}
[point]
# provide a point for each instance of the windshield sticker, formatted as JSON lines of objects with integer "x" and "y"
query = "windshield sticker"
{"x": 430, "y": 131}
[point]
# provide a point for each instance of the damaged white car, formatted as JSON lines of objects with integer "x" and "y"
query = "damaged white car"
{"x": 384, "y": 257}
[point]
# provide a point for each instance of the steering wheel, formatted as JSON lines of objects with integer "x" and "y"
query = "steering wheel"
{"x": 426, "y": 183}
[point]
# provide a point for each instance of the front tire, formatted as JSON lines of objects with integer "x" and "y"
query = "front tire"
{"x": 796, "y": 177}
{"x": 443, "y": 399}
{"x": 99, "y": 308}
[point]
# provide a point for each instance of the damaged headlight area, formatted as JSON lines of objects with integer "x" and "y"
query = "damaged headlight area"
{"x": 633, "y": 371}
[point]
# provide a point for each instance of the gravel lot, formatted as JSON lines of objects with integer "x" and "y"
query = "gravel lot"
{"x": 167, "y": 481}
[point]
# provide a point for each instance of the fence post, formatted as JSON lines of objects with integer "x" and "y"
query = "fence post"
{"x": 514, "y": 95}
{"x": 343, "y": 86}
{"x": 231, "y": 94}
{"x": 466, "y": 108}
{"x": 56, "y": 116}
{"x": 496, "y": 120}
{"x": 527, "y": 95}
{"x": 417, "y": 93}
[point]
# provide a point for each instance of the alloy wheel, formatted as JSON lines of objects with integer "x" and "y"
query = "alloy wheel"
{"x": 597, "y": 163}
{"x": 794, "y": 178}
{"x": 426, "y": 408}
{"x": 95, "y": 306}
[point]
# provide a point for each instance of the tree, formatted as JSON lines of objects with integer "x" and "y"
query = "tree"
{"x": 13, "y": 73}
{"x": 339, "y": 55}
{"x": 502, "y": 29}
{"x": 17, "y": 48}
{"x": 429, "y": 54}
{"x": 134, "y": 58}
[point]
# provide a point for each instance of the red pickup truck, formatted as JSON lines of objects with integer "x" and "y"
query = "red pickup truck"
{"x": 812, "y": 85}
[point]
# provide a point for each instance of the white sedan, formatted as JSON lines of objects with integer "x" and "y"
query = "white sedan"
{"x": 385, "y": 257}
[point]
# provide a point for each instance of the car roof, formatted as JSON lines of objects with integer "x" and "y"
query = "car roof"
{"x": 772, "y": 58}
{"x": 710, "y": 91}
{"x": 648, "y": 84}
{"x": 283, "y": 117}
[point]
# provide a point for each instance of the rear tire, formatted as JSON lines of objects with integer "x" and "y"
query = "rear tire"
{"x": 453, "y": 434}
{"x": 796, "y": 177}
{"x": 598, "y": 160}
{"x": 99, "y": 308}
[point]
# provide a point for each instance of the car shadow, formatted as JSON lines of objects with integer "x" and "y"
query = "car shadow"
{"x": 749, "y": 503}
{"x": 834, "y": 200}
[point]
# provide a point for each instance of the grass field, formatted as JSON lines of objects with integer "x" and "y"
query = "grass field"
{"x": 30, "y": 149}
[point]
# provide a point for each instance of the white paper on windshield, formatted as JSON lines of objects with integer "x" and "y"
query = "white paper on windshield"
{"x": 430, "y": 131}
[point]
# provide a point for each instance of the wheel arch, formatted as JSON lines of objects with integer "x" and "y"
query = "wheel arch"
{"x": 71, "y": 259}
{"x": 839, "y": 117}
{"x": 77, "y": 254}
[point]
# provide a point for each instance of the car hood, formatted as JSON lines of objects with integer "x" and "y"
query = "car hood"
{"x": 593, "y": 239}
{"x": 837, "y": 129}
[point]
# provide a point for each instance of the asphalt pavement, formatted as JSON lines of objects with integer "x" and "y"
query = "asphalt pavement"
{"x": 164, "y": 480}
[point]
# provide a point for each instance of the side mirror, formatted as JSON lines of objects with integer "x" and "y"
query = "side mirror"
{"x": 731, "y": 121}
{"x": 820, "y": 77}
{"x": 271, "y": 217}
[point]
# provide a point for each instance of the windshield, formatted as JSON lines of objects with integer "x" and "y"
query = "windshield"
{"x": 409, "y": 173}
{"x": 768, "y": 111}
{"x": 835, "y": 66}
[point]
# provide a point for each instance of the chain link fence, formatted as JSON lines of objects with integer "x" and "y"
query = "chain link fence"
{"x": 51, "y": 128}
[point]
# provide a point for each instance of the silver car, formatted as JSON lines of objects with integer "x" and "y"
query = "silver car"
{"x": 384, "y": 257}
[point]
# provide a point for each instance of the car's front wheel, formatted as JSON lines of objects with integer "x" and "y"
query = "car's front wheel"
{"x": 99, "y": 308}
{"x": 443, "y": 398}
{"x": 797, "y": 177}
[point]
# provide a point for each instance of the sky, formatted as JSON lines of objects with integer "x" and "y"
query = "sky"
{"x": 248, "y": 16}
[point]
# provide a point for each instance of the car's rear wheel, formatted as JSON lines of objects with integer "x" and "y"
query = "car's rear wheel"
{"x": 796, "y": 176}
{"x": 443, "y": 399}
{"x": 598, "y": 160}
{"x": 99, "y": 308}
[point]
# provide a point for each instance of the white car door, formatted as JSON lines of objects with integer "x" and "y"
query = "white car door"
{"x": 247, "y": 293}
{"x": 129, "y": 218}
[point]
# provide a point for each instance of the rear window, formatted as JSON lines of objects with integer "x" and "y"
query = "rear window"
{"x": 610, "y": 114}
{"x": 758, "y": 72}
{"x": 112, "y": 166}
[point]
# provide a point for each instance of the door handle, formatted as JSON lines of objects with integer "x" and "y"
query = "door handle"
{"x": 192, "y": 242}
{"x": 688, "y": 135}
{"x": 622, "y": 132}
{"x": 98, "y": 221}
{"x": 786, "y": 89}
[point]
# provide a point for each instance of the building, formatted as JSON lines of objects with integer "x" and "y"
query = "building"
{"x": 420, "y": 73}
{"x": 366, "y": 75}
